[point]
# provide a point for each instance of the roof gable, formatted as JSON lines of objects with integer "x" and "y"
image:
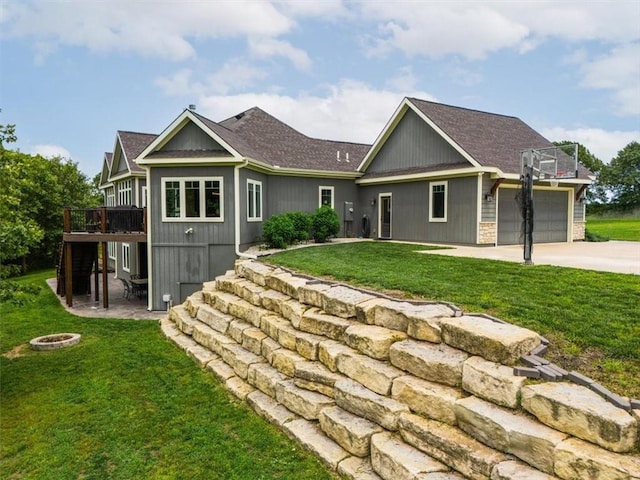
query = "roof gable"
{"x": 105, "y": 173}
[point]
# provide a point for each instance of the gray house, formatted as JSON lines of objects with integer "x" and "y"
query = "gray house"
{"x": 436, "y": 173}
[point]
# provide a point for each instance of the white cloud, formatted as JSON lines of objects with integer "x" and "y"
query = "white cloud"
{"x": 264, "y": 47}
{"x": 602, "y": 143}
{"x": 349, "y": 111}
{"x": 158, "y": 29}
{"x": 50, "y": 151}
{"x": 618, "y": 71}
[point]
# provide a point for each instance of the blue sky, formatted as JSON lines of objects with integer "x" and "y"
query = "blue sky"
{"x": 72, "y": 73}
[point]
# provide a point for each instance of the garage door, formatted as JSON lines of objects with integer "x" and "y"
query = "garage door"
{"x": 550, "y": 217}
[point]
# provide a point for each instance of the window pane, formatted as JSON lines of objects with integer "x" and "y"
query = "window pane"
{"x": 258, "y": 200}
{"x": 172, "y": 199}
{"x": 438, "y": 201}
{"x": 192, "y": 198}
{"x": 251, "y": 199}
{"x": 213, "y": 200}
{"x": 326, "y": 196}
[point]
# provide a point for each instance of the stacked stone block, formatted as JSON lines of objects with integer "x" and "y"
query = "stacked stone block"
{"x": 385, "y": 389}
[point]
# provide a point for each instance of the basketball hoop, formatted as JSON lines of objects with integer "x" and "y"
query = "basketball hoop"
{"x": 548, "y": 163}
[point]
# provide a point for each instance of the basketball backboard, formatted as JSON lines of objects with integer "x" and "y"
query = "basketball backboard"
{"x": 550, "y": 163}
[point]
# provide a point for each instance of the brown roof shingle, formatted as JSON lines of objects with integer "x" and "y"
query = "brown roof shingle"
{"x": 133, "y": 143}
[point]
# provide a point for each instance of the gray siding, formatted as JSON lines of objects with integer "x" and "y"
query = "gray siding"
{"x": 410, "y": 211}
{"x": 191, "y": 137}
{"x": 119, "y": 162}
{"x": 413, "y": 143}
{"x": 300, "y": 194}
{"x": 181, "y": 262}
{"x": 579, "y": 208}
{"x": 252, "y": 231}
{"x": 488, "y": 206}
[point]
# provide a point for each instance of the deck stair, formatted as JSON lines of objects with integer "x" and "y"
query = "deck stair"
{"x": 83, "y": 260}
{"x": 381, "y": 388}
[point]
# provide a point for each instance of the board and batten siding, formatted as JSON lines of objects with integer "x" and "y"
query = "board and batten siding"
{"x": 191, "y": 137}
{"x": 489, "y": 205}
{"x": 413, "y": 143}
{"x": 300, "y": 194}
{"x": 251, "y": 231}
{"x": 182, "y": 262}
{"x": 410, "y": 211}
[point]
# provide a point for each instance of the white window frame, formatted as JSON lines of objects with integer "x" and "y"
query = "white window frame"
{"x": 124, "y": 192}
{"x": 333, "y": 194}
{"x": 254, "y": 199}
{"x": 110, "y": 200}
{"x": 183, "y": 199}
{"x": 126, "y": 257}
{"x": 445, "y": 184}
{"x": 111, "y": 250}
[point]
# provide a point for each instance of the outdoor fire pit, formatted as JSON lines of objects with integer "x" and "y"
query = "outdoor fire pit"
{"x": 54, "y": 341}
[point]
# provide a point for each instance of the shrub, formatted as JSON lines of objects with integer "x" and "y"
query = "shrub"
{"x": 18, "y": 293}
{"x": 302, "y": 225}
{"x": 278, "y": 231}
{"x": 324, "y": 224}
{"x": 594, "y": 237}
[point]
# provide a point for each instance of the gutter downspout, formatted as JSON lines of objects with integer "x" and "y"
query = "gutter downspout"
{"x": 149, "y": 249}
{"x": 236, "y": 209}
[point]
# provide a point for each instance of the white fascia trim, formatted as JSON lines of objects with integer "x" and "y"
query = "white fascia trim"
{"x": 416, "y": 177}
{"x": 122, "y": 152}
{"x": 186, "y": 161}
{"x": 125, "y": 176}
{"x": 440, "y": 132}
{"x": 392, "y": 123}
{"x": 168, "y": 133}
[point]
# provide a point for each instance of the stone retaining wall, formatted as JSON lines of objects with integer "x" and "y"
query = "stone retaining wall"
{"x": 381, "y": 388}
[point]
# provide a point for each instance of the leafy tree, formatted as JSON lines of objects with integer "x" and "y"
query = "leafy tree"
{"x": 596, "y": 193}
{"x": 622, "y": 177}
{"x": 7, "y": 134}
{"x": 33, "y": 192}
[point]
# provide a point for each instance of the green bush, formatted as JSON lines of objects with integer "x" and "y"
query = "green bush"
{"x": 278, "y": 231}
{"x": 324, "y": 224}
{"x": 590, "y": 236}
{"x": 302, "y": 225}
{"x": 18, "y": 293}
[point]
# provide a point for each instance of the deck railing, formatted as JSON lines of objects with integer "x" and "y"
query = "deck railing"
{"x": 123, "y": 219}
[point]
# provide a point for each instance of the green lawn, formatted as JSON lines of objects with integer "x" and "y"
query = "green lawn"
{"x": 124, "y": 403}
{"x": 626, "y": 228}
{"x": 591, "y": 317}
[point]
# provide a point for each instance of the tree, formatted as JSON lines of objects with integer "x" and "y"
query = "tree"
{"x": 622, "y": 177}
{"x": 7, "y": 134}
{"x": 596, "y": 193}
{"x": 33, "y": 192}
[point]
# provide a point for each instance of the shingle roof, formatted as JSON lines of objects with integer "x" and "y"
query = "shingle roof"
{"x": 133, "y": 143}
{"x": 492, "y": 140}
{"x": 258, "y": 135}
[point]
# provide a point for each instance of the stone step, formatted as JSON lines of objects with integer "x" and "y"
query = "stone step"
{"x": 269, "y": 409}
{"x": 426, "y": 398}
{"x": 318, "y": 322}
{"x": 578, "y": 411}
{"x": 341, "y": 301}
{"x": 373, "y": 374}
{"x": 214, "y": 318}
{"x": 450, "y": 445}
{"x": 509, "y": 432}
{"x": 514, "y": 470}
{"x": 351, "y": 432}
{"x": 576, "y": 458}
{"x": 193, "y": 303}
{"x": 393, "y": 459}
{"x": 249, "y": 291}
{"x": 225, "y": 283}
{"x": 239, "y": 359}
{"x": 273, "y": 301}
{"x": 372, "y": 340}
{"x": 284, "y": 282}
{"x": 353, "y": 397}
{"x": 492, "y": 381}
{"x": 254, "y": 271}
{"x": 310, "y": 436}
{"x": 265, "y": 378}
{"x": 302, "y": 402}
{"x": 183, "y": 321}
{"x": 429, "y": 361}
{"x": 356, "y": 468}
{"x": 498, "y": 342}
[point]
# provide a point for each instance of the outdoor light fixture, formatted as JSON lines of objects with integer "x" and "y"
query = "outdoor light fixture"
{"x": 373, "y": 202}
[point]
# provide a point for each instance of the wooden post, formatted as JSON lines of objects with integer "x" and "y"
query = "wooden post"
{"x": 96, "y": 283}
{"x": 68, "y": 275}
{"x": 144, "y": 219}
{"x": 66, "y": 222}
{"x": 103, "y": 220}
{"x": 105, "y": 277}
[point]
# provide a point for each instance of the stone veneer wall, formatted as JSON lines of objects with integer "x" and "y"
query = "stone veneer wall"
{"x": 579, "y": 230}
{"x": 487, "y": 233}
{"x": 381, "y": 388}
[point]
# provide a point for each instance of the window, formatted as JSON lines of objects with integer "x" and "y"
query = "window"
{"x": 124, "y": 192}
{"x": 326, "y": 196}
{"x": 195, "y": 199}
{"x": 438, "y": 201}
{"x": 111, "y": 250}
{"x": 126, "y": 257}
{"x": 254, "y": 200}
{"x": 111, "y": 197}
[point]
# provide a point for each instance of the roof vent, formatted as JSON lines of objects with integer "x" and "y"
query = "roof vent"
{"x": 192, "y": 107}
{"x": 239, "y": 116}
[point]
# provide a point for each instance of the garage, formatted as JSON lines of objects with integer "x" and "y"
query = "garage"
{"x": 550, "y": 216}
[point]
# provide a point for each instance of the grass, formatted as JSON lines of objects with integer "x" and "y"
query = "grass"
{"x": 627, "y": 228}
{"x": 590, "y": 317}
{"x": 124, "y": 403}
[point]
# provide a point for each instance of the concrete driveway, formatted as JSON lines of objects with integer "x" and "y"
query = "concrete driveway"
{"x": 613, "y": 256}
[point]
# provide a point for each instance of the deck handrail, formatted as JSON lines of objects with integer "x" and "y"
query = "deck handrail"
{"x": 128, "y": 219}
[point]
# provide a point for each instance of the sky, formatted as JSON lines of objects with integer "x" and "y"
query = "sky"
{"x": 74, "y": 72}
